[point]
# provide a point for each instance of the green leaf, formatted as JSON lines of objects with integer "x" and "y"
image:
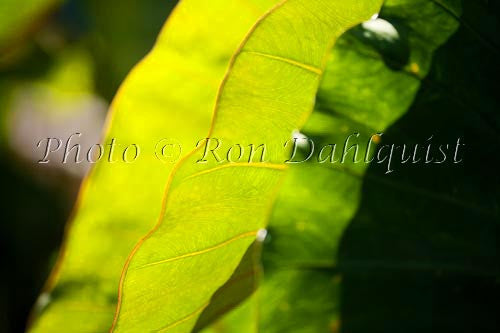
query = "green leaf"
{"x": 215, "y": 211}
{"x": 360, "y": 93}
{"x": 169, "y": 95}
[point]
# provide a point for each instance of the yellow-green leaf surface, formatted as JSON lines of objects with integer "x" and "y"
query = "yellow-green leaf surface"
{"x": 318, "y": 201}
{"x": 169, "y": 95}
{"x": 17, "y": 17}
{"x": 214, "y": 211}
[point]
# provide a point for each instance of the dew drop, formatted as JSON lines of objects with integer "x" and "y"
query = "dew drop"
{"x": 261, "y": 235}
{"x": 382, "y": 29}
{"x": 301, "y": 139}
{"x": 43, "y": 301}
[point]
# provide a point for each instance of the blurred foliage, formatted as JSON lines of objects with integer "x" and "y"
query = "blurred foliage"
{"x": 49, "y": 53}
{"x": 119, "y": 34}
{"x": 19, "y": 18}
{"x": 350, "y": 247}
{"x": 30, "y": 231}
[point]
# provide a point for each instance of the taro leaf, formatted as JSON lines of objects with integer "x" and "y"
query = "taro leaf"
{"x": 360, "y": 93}
{"x": 419, "y": 253}
{"x": 214, "y": 211}
{"x": 168, "y": 95}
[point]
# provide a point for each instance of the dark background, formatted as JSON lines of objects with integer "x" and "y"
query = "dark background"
{"x": 36, "y": 202}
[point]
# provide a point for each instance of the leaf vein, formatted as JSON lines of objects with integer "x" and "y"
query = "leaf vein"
{"x": 231, "y": 165}
{"x": 200, "y": 252}
{"x": 296, "y": 63}
{"x": 182, "y": 320}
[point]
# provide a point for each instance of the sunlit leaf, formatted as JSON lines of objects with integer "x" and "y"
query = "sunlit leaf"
{"x": 214, "y": 211}
{"x": 169, "y": 95}
{"x": 360, "y": 93}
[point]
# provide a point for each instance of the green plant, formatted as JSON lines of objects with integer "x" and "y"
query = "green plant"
{"x": 201, "y": 257}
